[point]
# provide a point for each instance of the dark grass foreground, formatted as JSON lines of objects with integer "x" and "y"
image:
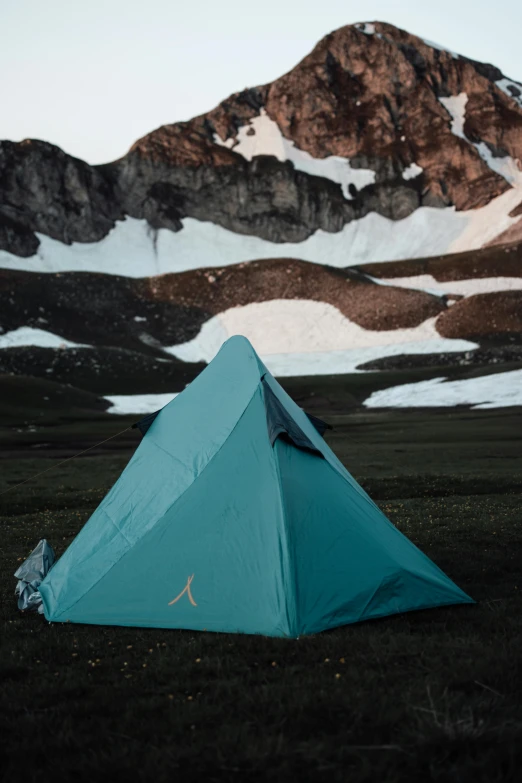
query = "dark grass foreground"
{"x": 433, "y": 695}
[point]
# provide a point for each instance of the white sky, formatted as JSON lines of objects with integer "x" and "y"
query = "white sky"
{"x": 94, "y": 75}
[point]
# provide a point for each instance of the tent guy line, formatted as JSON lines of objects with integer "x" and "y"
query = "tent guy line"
{"x": 5, "y": 491}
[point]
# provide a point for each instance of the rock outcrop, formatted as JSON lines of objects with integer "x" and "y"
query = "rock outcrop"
{"x": 495, "y": 316}
{"x": 42, "y": 189}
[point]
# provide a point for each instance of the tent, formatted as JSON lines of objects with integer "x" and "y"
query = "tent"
{"x": 234, "y": 515}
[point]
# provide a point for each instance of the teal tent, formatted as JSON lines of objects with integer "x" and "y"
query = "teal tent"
{"x": 235, "y": 515}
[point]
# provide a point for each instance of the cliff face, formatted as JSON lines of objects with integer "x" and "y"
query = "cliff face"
{"x": 44, "y": 190}
{"x": 361, "y": 125}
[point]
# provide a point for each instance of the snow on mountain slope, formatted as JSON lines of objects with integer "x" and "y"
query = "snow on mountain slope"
{"x": 26, "y": 335}
{"x": 262, "y": 136}
{"x": 412, "y": 171}
{"x": 512, "y": 89}
{"x": 133, "y": 249}
{"x": 503, "y": 165}
{"x": 482, "y": 285}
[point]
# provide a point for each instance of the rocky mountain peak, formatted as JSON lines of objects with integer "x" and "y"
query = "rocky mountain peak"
{"x": 374, "y": 120}
{"x": 418, "y": 126}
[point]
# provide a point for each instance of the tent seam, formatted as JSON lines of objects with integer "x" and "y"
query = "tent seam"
{"x": 370, "y": 618}
{"x": 291, "y": 565}
{"x": 324, "y": 449}
{"x": 169, "y": 508}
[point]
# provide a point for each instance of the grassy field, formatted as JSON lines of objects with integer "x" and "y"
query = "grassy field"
{"x": 433, "y": 695}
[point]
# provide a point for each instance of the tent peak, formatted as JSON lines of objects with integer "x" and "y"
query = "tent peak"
{"x": 240, "y": 349}
{"x": 239, "y": 342}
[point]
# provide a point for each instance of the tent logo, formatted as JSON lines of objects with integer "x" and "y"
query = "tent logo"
{"x": 186, "y": 590}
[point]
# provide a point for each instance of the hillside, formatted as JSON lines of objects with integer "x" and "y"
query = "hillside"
{"x": 295, "y": 212}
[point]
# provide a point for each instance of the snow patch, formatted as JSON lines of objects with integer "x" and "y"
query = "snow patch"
{"x": 27, "y": 335}
{"x": 412, "y": 171}
{"x": 367, "y": 28}
{"x": 440, "y": 48}
{"x": 490, "y": 391}
{"x": 470, "y": 287}
{"x": 262, "y": 136}
{"x": 456, "y": 106}
{"x": 304, "y": 337}
{"x": 486, "y": 223}
{"x": 343, "y": 362}
{"x": 505, "y": 166}
{"x": 128, "y": 404}
{"x": 129, "y": 249}
{"x": 390, "y": 282}
{"x": 512, "y": 89}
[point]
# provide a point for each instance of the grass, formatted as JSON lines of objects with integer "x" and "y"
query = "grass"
{"x": 433, "y": 695}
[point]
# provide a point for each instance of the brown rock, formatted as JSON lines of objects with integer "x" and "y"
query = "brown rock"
{"x": 483, "y": 316}
{"x": 493, "y": 261}
{"x": 517, "y": 211}
{"x": 371, "y": 306}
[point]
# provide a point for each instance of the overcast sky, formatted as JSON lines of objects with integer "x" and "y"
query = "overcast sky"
{"x": 94, "y": 75}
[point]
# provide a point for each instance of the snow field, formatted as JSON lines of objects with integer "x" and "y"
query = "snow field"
{"x": 298, "y": 337}
{"x": 128, "y": 404}
{"x": 490, "y": 391}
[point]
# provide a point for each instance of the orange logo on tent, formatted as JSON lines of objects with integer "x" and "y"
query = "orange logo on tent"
{"x": 186, "y": 590}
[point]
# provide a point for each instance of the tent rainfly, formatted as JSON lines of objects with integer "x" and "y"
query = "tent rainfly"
{"x": 234, "y": 515}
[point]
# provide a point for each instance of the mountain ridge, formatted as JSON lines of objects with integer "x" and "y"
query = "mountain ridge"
{"x": 368, "y": 94}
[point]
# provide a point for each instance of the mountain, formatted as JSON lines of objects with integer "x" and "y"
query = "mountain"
{"x": 294, "y": 212}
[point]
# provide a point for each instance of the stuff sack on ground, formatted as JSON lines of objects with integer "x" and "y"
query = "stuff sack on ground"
{"x": 31, "y": 574}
